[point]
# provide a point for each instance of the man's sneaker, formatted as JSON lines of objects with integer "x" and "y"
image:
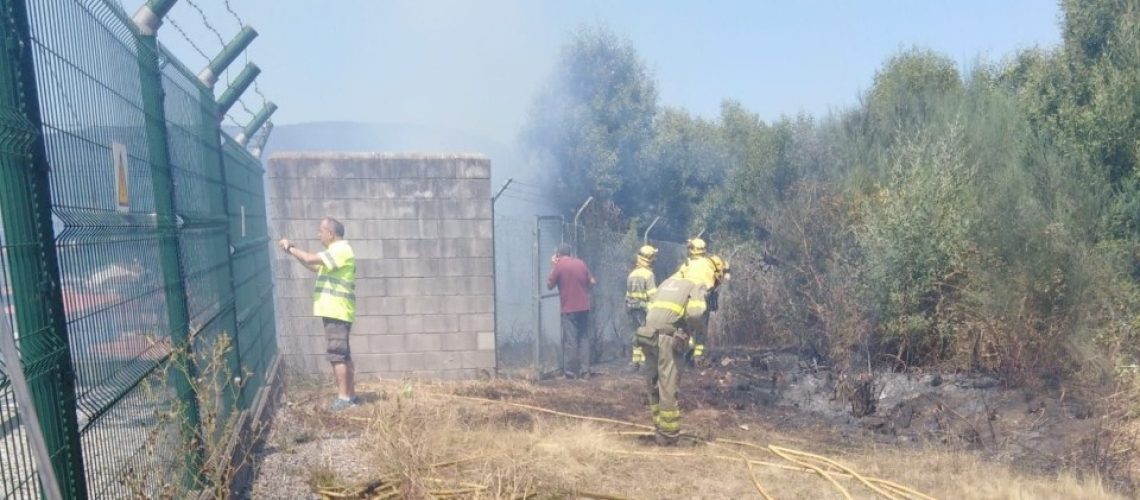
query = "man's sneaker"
{"x": 339, "y": 404}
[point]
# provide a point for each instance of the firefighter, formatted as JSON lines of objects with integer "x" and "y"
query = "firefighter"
{"x": 676, "y": 313}
{"x": 639, "y": 289}
{"x": 696, "y": 353}
{"x": 700, "y": 266}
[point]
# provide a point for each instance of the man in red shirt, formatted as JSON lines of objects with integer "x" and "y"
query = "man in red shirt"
{"x": 573, "y": 279}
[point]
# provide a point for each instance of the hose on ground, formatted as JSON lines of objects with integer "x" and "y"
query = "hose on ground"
{"x": 807, "y": 462}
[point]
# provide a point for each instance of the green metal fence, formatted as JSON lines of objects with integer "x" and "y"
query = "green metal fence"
{"x": 133, "y": 239}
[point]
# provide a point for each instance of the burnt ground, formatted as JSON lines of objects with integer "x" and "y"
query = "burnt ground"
{"x": 778, "y": 391}
{"x": 1040, "y": 432}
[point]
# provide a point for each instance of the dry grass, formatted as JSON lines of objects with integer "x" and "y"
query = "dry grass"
{"x": 428, "y": 442}
{"x": 960, "y": 475}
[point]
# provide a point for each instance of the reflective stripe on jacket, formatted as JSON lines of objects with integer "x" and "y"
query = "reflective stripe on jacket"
{"x": 679, "y": 302}
{"x": 640, "y": 288}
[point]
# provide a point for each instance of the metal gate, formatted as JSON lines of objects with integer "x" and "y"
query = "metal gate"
{"x": 527, "y": 329}
{"x": 549, "y": 232}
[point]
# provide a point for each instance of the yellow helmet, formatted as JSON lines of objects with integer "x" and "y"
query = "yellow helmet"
{"x": 645, "y": 255}
{"x": 697, "y": 247}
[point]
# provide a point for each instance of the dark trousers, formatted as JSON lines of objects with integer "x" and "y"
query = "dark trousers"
{"x": 637, "y": 319}
{"x": 576, "y": 343}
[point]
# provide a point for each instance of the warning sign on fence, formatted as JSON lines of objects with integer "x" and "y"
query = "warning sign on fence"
{"x": 122, "y": 188}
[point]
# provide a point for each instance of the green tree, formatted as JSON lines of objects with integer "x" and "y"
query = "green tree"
{"x": 591, "y": 121}
{"x": 908, "y": 92}
{"x": 684, "y": 162}
{"x": 916, "y": 239}
{"x": 1086, "y": 99}
{"x": 764, "y": 162}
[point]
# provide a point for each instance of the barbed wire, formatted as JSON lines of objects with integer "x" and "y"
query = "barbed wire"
{"x": 234, "y": 122}
{"x": 530, "y": 185}
{"x": 235, "y": 14}
{"x": 527, "y": 190}
{"x": 186, "y": 37}
{"x": 257, "y": 90}
{"x": 245, "y": 55}
{"x": 526, "y": 198}
{"x": 245, "y": 58}
{"x": 221, "y": 40}
{"x": 527, "y": 186}
{"x": 246, "y": 108}
{"x": 536, "y": 196}
{"x": 206, "y": 21}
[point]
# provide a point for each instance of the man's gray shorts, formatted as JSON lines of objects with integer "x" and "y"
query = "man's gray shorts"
{"x": 336, "y": 335}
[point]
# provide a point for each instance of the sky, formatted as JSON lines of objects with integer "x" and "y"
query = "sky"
{"x": 474, "y": 66}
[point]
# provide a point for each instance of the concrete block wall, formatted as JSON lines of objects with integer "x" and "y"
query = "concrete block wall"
{"x": 420, "y": 226}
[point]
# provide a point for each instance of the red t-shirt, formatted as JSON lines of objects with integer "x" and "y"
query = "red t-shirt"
{"x": 573, "y": 280}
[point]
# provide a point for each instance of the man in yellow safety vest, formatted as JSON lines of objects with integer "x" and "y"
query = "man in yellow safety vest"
{"x": 334, "y": 301}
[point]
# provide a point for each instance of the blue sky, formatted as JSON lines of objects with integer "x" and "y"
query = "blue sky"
{"x": 474, "y": 66}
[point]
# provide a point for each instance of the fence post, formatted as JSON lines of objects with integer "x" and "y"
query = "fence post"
{"x": 251, "y": 128}
{"x": 538, "y": 298}
{"x": 494, "y": 274}
{"x": 147, "y": 20}
{"x": 576, "y": 216}
{"x": 33, "y": 269}
{"x": 230, "y": 95}
{"x": 215, "y": 139}
{"x": 209, "y": 74}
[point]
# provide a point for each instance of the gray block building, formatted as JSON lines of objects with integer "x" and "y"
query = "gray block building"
{"x": 420, "y": 226}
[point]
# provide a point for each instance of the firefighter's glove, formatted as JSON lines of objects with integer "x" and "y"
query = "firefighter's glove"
{"x": 699, "y": 358}
{"x": 638, "y": 356}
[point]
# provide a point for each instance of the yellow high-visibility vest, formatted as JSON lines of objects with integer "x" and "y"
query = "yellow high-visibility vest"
{"x": 334, "y": 295}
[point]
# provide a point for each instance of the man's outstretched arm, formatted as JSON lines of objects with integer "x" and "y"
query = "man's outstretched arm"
{"x": 310, "y": 260}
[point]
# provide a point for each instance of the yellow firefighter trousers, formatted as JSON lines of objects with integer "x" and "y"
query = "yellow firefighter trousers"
{"x": 662, "y": 379}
